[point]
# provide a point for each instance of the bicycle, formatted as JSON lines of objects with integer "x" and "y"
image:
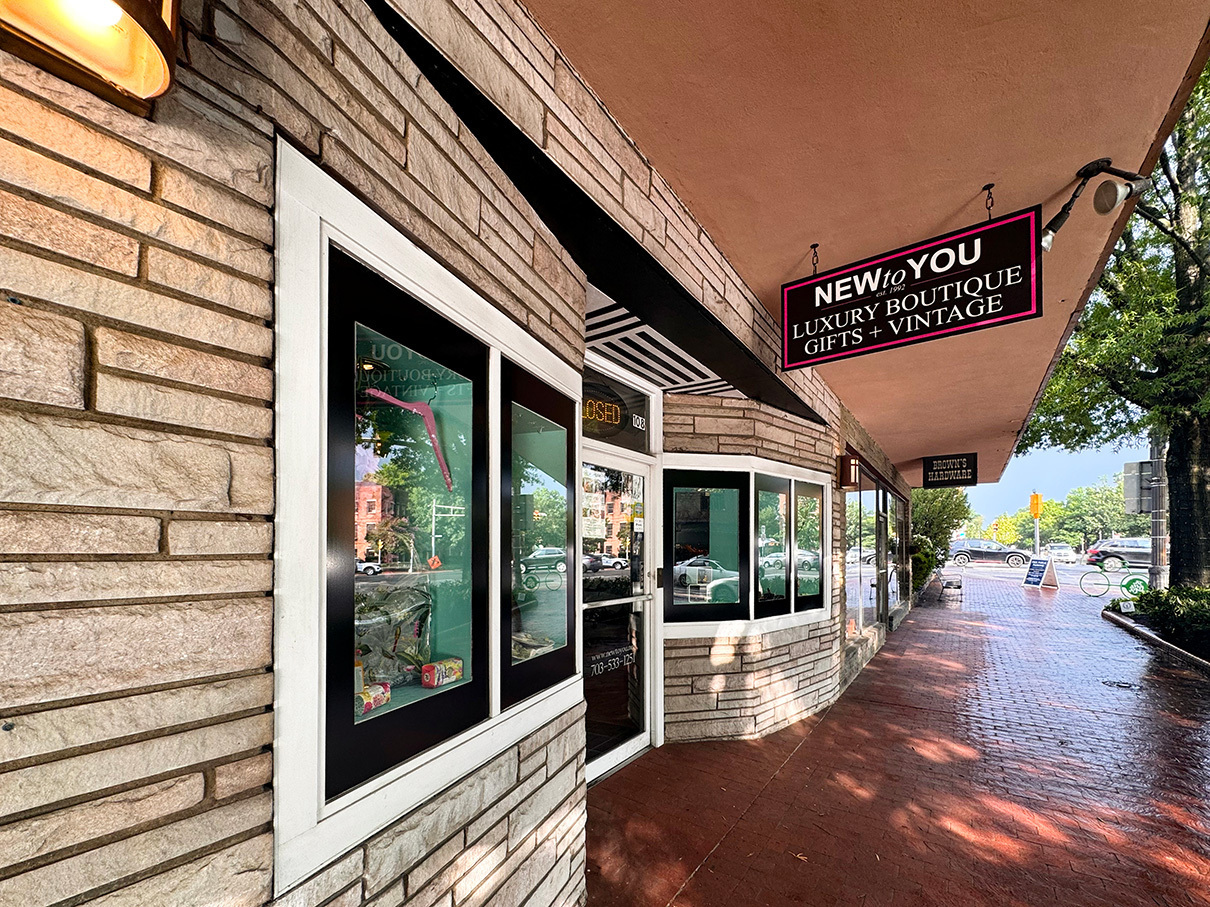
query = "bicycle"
{"x": 1096, "y": 583}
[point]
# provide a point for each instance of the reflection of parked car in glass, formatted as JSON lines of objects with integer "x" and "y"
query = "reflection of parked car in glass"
{"x": 545, "y": 559}
{"x": 867, "y": 554}
{"x": 1113, "y": 554}
{"x": 699, "y": 570}
{"x": 775, "y": 560}
{"x": 369, "y": 568}
{"x": 615, "y": 563}
{"x": 1062, "y": 552}
{"x": 986, "y": 551}
{"x": 593, "y": 563}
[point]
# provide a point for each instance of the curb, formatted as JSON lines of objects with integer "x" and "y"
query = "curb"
{"x": 1143, "y": 633}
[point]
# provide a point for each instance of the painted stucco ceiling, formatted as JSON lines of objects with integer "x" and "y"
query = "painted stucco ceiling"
{"x": 868, "y": 126}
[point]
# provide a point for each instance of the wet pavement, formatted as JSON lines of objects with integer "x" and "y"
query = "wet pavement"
{"x": 1012, "y": 749}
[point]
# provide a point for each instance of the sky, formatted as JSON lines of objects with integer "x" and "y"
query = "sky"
{"x": 1053, "y": 473}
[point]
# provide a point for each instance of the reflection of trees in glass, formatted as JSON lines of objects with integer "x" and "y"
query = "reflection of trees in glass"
{"x": 860, "y": 525}
{"x": 414, "y": 499}
{"x": 808, "y": 525}
{"x": 393, "y": 536}
{"x": 771, "y": 519}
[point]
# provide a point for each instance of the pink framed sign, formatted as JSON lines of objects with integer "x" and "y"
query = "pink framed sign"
{"x": 978, "y": 277}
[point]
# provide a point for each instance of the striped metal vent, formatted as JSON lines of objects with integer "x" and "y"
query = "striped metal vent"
{"x": 620, "y": 336}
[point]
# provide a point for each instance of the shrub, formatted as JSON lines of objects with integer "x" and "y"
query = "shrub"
{"x": 1181, "y": 615}
{"x": 924, "y": 562}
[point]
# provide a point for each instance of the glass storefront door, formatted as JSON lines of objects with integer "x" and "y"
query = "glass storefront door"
{"x": 617, "y": 595}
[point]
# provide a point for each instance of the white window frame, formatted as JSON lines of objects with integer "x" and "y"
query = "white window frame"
{"x": 700, "y": 629}
{"x": 312, "y": 210}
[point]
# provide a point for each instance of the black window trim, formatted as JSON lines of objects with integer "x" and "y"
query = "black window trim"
{"x": 728, "y": 479}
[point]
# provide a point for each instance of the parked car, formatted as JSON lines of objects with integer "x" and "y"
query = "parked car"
{"x": 1062, "y": 552}
{"x": 867, "y": 555}
{"x": 697, "y": 570}
{"x": 776, "y": 560}
{"x": 1113, "y": 554}
{"x": 985, "y": 551}
{"x": 369, "y": 568}
{"x": 593, "y": 563}
{"x": 545, "y": 559}
{"x": 612, "y": 562}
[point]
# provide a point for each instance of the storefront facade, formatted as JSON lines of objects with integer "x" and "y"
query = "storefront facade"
{"x": 378, "y": 364}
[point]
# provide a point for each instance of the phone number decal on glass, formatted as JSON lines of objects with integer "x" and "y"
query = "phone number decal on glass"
{"x": 603, "y": 662}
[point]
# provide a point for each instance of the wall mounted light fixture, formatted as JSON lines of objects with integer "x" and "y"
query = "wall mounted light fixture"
{"x": 1108, "y": 197}
{"x": 121, "y": 50}
{"x": 848, "y": 471}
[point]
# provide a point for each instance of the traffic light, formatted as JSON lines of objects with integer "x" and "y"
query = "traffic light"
{"x": 1035, "y": 505}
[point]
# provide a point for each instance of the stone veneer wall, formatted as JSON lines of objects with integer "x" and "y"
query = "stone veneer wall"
{"x": 743, "y": 687}
{"x": 136, "y": 457}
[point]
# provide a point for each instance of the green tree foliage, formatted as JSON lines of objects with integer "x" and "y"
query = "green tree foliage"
{"x": 937, "y": 513}
{"x": 1088, "y": 513}
{"x": 1138, "y": 361}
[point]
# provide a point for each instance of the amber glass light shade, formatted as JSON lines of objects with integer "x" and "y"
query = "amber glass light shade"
{"x": 123, "y": 50}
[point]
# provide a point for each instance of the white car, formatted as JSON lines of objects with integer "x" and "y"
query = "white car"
{"x": 369, "y": 568}
{"x": 698, "y": 570}
{"x": 614, "y": 563}
{"x": 1062, "y": 553}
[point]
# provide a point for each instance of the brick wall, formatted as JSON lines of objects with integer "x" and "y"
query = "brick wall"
{"x": 136, "y": 457}
{"x": 749, "y": 686}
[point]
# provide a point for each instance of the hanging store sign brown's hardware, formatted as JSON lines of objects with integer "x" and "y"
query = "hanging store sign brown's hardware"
{"x": 977, "y": 277}
{"x": 953, "y": 470}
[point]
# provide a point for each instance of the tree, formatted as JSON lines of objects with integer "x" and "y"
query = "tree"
{"x": 394, "y": 536}
{"x": 1138, "y": 361}
{"x": 937, "y": 513}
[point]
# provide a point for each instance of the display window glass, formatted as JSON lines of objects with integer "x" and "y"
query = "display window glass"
{"x": 707, "y": 545}
{"x": 808, "y": 537}
{"x": 407, "y": 531}
{"x": 613, "y": 521}
{"x": 774, "y": 556}
{"x": 537, "y": 453}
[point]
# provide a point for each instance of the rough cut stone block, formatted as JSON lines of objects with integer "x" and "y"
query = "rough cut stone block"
{"x": 51, "y": 229}
{"x": 117, "y": 349}
{"x": 218, "y": 537}
{"x": 50, "y": 782}
{"x": 41, "y": 356}
{"x": 96, "y": 465}
{"x": 155, "y": 403}
{"x": 25, "y": 275}
{"x": 219, "y": 205}
{"x": 437, "y": 174}
{"x": 320, "y": 887}
{"x": 171, "y": 270}
{"x": 238, "y": 876}
{"x": 534, "y": 810}
{"x": 235, "y": 777}
{"x": 31, "y": 532}
{"x": 437, "y": 861}
{"x": 76, "y": 875}
{"x": 403, "y": 845}
{"x": 39, "y": 583}
{"x": 710, "y": 729}
{"x": 44, "y": 834}
{"x": 43, "y": 125}
{"x": 42, "y": 733}
{"x": 121, "y": 647}
{"x": 33, "y": 172}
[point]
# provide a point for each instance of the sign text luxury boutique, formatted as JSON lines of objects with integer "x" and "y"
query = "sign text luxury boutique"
{"x": 970, "y": 279}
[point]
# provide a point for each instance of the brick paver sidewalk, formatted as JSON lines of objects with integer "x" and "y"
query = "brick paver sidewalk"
{"x": 1018, "y": 752}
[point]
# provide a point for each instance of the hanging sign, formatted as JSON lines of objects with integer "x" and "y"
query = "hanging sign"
{"x": 978, "y": 277}
{"x": 952, "y": 470}
{"x": 1041, "y": 574}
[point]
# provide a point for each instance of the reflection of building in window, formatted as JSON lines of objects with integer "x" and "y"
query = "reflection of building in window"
{"x": 371, "y": 498}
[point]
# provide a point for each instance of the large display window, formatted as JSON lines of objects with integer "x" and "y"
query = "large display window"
{"x": 537, "y": 454}
{"x": 742, "y": 545}
{"x": 407, "y": 632}
{"x": 397, "y": 420}
{"x": 707, "y": 545}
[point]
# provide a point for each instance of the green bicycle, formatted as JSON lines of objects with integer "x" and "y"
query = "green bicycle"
{"x": 1097, "y": 582}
